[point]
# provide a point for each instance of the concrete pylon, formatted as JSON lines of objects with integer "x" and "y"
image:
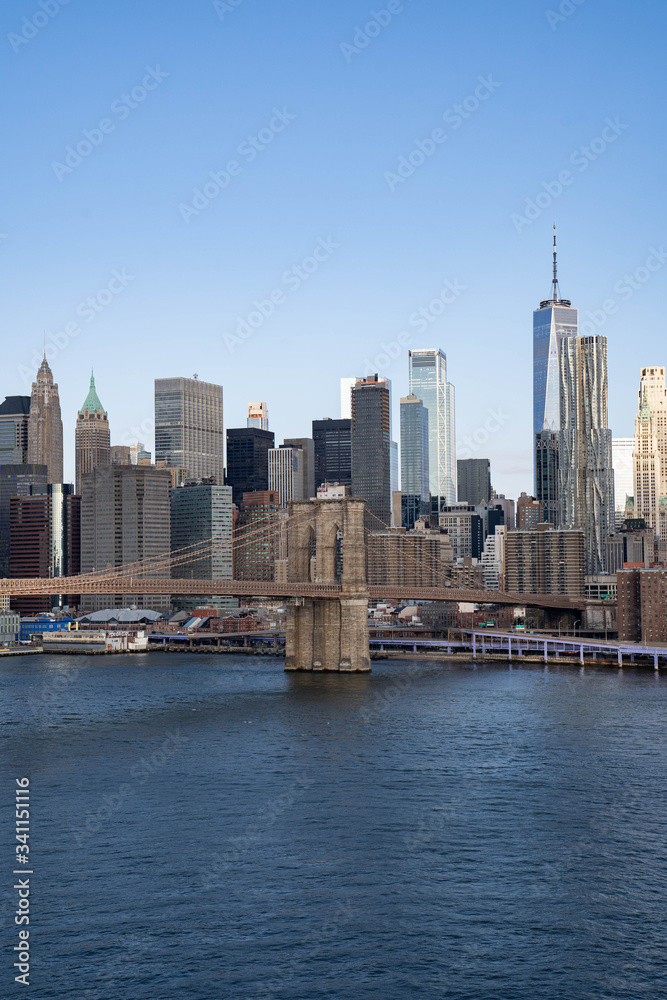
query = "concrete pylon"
{"x": 328, "y": 634}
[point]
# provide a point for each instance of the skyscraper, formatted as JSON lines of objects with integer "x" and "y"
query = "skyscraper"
{"x": 92, "y": 438}
{"x": 307, "y": 448}
{"x": 258, "y": 416}
{"x": 428, "y": 381}
{"x": 45, "y": 426}
{"x": 332, "y": 441}
{"x": 346, "y": 398}
{"x": 622, "y": 452}
{"x": 371, "y": 446}
{"x": 650, "y": 451}
{"x": 188, "y": 427}
{"x": 585, "y": 474}
{"x": 14, "y": 418}
{"x": 415, "y": 498}
{"x": 286, "y": 474}
{"x": 552, "y": 322}
{"x": 201, "y": 521}
{"x": 16, "y": 481}
{"x": 474, "y": 480}
{"x": 248, "y": 460}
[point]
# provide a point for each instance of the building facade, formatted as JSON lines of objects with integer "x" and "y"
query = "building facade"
{"x": 545, "y": 561}
{"x": 258, "y": 416}
{"x": 92, "y": 438}
{"x": 14, "y": 420}
{"x": 642, "y": 605}
{"x": 474, "y": 480}
{"x": 201, "y": 541}
{"x": 286, "y": 474}
{"x": 622, "y": 457}
{"x": 420, "y": 558}
{"x": 415, "y": 482}
{"x": 248, "y": 460}
{"x": 189, "y": 430}
{"x": 16, "y": 481}
{"x": 465, "y": 528}
{"x": 307, "y": 448}
{"x": 257, "y": 536}
{"x": 428, "y": 381}
{"x": 650, "y": 453}
{"x": 529, "y": 513}
{"x": 371, "y": 446}
{"x": 332, "y": 441}
{"x": 45, "y": 426}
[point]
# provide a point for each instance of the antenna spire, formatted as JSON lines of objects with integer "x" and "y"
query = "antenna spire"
{"x": 556, "y": 291}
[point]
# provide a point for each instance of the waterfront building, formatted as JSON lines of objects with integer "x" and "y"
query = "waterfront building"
{"x": 529, "y": 513}
{"x": 428, "y": 381}
{"x": 415, "y": 496}
{"x": 14, "y": 419}
{"x": 585, "y": 474}
{"x": 258, "y": 416}
{"x": 248, "y": 460}
{"x": 474, "y": 480}
{"x": 92, "y": 438}
{"x": 545, "y": 561}
{"x": 286, "y": 474}
{"x": 44, "y": 542}
{"x": 201, "y": 524}
{"x": 189, "y": 430}
{"x": 307, "y": 448}
{"x": 650, "y": 453}
{"x": 16, "y": 481}
{"x": 45, "y": 426}
{"x": 332, "y": 442}
{"x": 554, "y": 322}
{"x": 371, "y": 445}
{"x": 125, "y": 518}
{"x": 622, "y": 458}
{"x": 642, "y": 605}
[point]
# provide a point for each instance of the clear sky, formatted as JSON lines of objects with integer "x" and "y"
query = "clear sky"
{"x": 314, "y": 117}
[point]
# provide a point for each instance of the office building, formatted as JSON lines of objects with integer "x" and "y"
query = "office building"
{"x": 125, "y": 519}
{"x": 258, "y": 416}
{"x": 248, "y": 460}
{"x": 633, "y": 544}
{"x": 286, "y": 474}
{"x": 307, "y": 448}
{"x": 139, "y": 455}
{"x": 428, "y": 381}
{"x": 419, "y": 558}
{"x": 45, "y": 426}
{"x": 529, "y": 513}
{"x": 545, "y": 561}
{"x": 493, "y": 559}
{"x": 92, "y": 438}
{"x": 622, "y": 452}
{"x": 415, "y": 496}
{"x": 346, "y": 398}
{"x": 465, "y": 528}
{"x": 16, "y": 481}
{"x": 257, "y": 536}
{"x": 14, "y": 419}
{"x": 201, "y": 541}
{"x": 371, "y": 446}
{"x": 119, "y": 454}
{"x": 650, "y": 454}
{"x": 554, "y": 322}
{"x": 585, "y": 474}
{"x": 474, "y": 480}
{"x": 188, "y": 427}
{"x": 30, "y": 537}
{"x": 332, "y": 441}
{"x": 509, "y": 508}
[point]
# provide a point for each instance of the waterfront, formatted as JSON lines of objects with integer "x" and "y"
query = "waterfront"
{"x": 210, "y": 827}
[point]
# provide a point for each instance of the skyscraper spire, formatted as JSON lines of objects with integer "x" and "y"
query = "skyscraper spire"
{"x": 556, "y": 290}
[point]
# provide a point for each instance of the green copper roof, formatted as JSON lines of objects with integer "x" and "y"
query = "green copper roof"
{"x": 92, "y": 400}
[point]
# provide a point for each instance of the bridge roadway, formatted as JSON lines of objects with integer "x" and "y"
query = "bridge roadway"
{"x": 119, "y": 585}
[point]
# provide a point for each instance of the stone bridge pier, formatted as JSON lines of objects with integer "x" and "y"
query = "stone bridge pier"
{"x": 326, "y": 544}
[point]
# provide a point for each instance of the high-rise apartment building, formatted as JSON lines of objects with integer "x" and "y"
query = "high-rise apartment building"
{"x": 16, "y": 481}
{"x": 622, "y": 452}
{"x": 371, "y": 446}
{"x": 248, "y": 460}
{"x": 14, "y": 418}
{"x": 92, "y": 437}
{"x": 201, "y": 538}
{"x": 45, "y": 426}
{"x": 258, "y": 416}
{"x": 428, "y": 381}
{"x": 286, "y": 474}
{"x": 332, "y": 440}
{"x": 474, "y": 480}
{"x": 529, "y": 513}
{"x": 189, "y": 427}
{"x": 553, "y": 322}
{"x": 545, "y": 561}
{"x": 585, "y": 474}
{"x": 125, "y": 518}
{"x": 650, "y": 452}
{"x": 307, "y": 448}
{"x": 415, "y": 496}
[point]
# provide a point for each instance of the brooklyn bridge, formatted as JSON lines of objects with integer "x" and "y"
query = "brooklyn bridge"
{"x": 323, "y": 580}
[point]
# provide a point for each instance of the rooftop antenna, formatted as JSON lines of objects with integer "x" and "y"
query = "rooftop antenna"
{"x": 556, "y": 290}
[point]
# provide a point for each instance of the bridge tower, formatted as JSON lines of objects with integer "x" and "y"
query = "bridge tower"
{"x": 326, "y": 544}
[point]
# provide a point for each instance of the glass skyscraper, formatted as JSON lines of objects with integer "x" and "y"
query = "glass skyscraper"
{"x": 428, "y": 381}
{"x": 415, "y": 502}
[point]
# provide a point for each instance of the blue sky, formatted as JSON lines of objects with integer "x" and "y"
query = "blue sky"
{"x": 335, "y": 111}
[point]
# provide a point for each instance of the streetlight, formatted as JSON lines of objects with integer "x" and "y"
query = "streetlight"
{"x": 578, "y": 622}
